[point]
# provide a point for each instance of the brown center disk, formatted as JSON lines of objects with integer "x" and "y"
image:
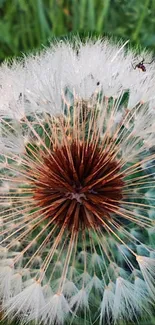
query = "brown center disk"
{"x": 78, "y": 185}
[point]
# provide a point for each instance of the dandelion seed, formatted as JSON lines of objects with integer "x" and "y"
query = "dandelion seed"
{"x": 6, "y": 273}
{"x": 77, "y": 185}
{"x": 26, "y": 304}
{"x": 124, "y": 302}
{"x": 56, "y": 310}
{"x": 141, "y": 296}
{"x": 147, "y": 267}
{"x": 107, "y": 304}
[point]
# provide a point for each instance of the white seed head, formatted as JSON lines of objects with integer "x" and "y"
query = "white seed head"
{"x": 77, "y": 158}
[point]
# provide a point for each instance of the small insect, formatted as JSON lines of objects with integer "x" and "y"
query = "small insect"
{"x": 141, "y": 65}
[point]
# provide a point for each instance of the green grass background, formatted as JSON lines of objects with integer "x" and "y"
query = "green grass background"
{"x": 27, "y": 25}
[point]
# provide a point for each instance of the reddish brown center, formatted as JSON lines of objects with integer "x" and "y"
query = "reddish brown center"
{"x": 79, "y": 185}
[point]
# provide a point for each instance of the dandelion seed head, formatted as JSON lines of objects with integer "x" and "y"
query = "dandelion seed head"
{"x": 77, "y": 185}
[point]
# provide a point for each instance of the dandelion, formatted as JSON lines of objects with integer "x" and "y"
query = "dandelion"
{"x": 77, "y": 130}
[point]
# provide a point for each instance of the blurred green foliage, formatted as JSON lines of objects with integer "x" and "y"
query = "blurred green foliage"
{"x": 29, "y": 24}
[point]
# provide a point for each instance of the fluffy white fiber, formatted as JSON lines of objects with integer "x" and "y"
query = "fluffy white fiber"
{"x": 51, "y": 270}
